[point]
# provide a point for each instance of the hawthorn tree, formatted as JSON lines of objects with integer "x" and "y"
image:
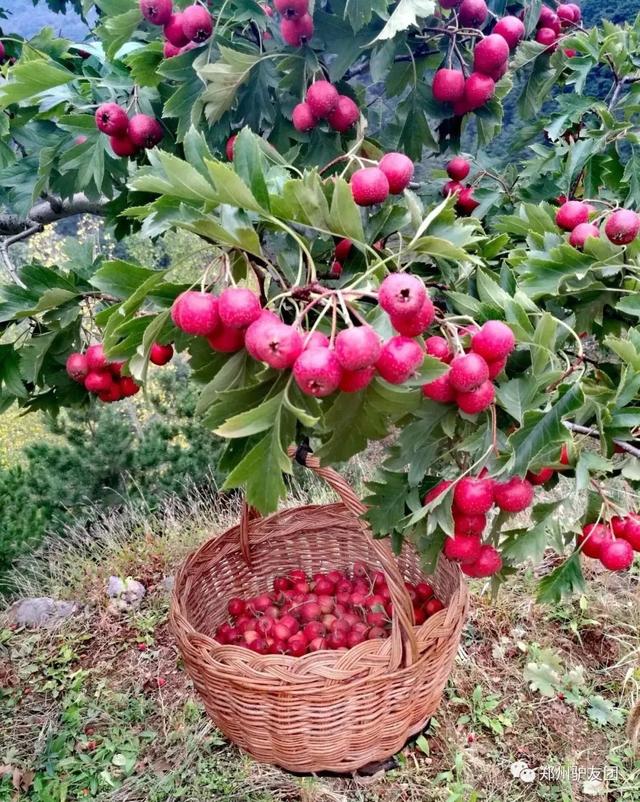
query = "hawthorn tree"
{"x": 488, "y": 321}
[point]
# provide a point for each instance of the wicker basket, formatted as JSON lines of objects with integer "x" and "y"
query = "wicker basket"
{"x": 328, "y": 710}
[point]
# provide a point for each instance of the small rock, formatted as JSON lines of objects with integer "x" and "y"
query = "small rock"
{"x": 124, "y": 594}
{"x": 41, "y": 612}
{"x": 167, "y": 583}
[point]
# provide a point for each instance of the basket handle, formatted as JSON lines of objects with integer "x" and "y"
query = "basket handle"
{"x": 404, "y": 646}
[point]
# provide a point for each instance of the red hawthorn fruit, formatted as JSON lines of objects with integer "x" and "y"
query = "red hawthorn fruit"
{"x": 631, "y": 531}
{"x": 462, "y": 548}
{"x": 228, "y": 148}
{"x": 571, "y": 214}
{"x": 489, "y": 54}
{"x": 254, "y": 340}
{"x": 413, "y": 326}
{"x": 111, "y": 394}
{"x": 592, "y": 538}
{"x": 317, "y": 372}
{"x": 123, "y": 146}
{"x": 476, "y": 401}
{"x": 514, "y": 495}
{"x": 398, "y": 169}
{"x": 297, "y": 645}
{"x": 402, "y": 294}
{"x": 322, "y": 98}
{"x": 616, "y": 555}
{"x": 566, "y": 15}
{"x": 451, "y": 188}
{"x": 369, "y": 186}
{"x": 479, "y": 88}
{"x": 473, "y": 13}
{"x": 197, "y": 23}
{"x": 95, "y": 356}
{"x": 399, "y": 359}
{"x": 170, "y": 51}
{"x": 236, "y": 607}
{"x": 157, "y": 12}
{"x": 316, "y": 340}
{"x": 296, "y": 32}
{"x": 439, "y": 390}
{"x": 458, "y": 168}
{"x": 77, "y": 367}
{"x": 174, "y": 32}
{"x": 436, "y": 491}
{"x": 226, "y": 339}
{"x": 279, "y": 345}
{"x": 358, "y": 347}
{"x": 292, "y": 9}
{"x": 424, "y": 591}
{"x": 541, "y": 477}
{"x": 112, "y": 119}
{"x": 345, "y": 115}
{"x": 493, "y": 341}
{"x": 622, "y": 226}
{"x": 488, "y": 563}
{"x": 195, "y": 313}
{"x": 238, "y": 307}
{"x": 496, "y": 368}
{"x": 343, "y": 249}
{"x": 160, "y": 354}
{"x": 461, "y": 107}
{"x": 547, "y": 37}
{"x": 570, "y": 52}
{"x": 511, "y": 29}
{"x": 468, "y": 372}
{"x": 448, "y": 85}
{"x": 433, "y": 606}
{"x": 144, "y": 131}
{"x": 581, "y": 234}
{"x": 439, "y": 348}
{"x": 465, "y": 202}
{"x": 98, "y": 381}
{"x": 546, "y": 16}
{"x": 302, "y": 118}
{"x": 128, "y": 387}
{"x": 473, "y": 495}
{"x": 336, "y": 269}
{"x": 618, "y": 525}
{"x": 468, "y": 524}
{"x": 564, "y": 455}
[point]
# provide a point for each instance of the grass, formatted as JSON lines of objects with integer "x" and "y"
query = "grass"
{"x": 101, "y": 708}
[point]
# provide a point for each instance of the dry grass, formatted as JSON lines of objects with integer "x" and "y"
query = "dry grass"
{"x": 102, "y": 708}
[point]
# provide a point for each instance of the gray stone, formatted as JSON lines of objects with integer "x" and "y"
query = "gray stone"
{"x": 167, "y": 583}
{"x": 124, "y": 594}
{"x": 41, "y": 612}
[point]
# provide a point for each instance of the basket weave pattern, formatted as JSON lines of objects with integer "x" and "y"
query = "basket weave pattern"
{"x": 328, "y": 710}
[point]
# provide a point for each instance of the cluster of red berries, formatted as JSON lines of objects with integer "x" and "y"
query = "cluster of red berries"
{"x": 323, "y": 102}
{"x": 296, "y": 24}
{"x": 371, "y": 185}
{"x": 490, "y": 59}
{"x": 127, "y": 136}
{"x": 334, "y": 610}
{"x": 182, "y": 29}
{"x": 613, "y": 543}
{"x": 551, "y": 23}
{"x": 235, "y": 320}
{"x": 103, "y": 378}
{"x": 457, "y": 170}
{"x": 473, "y": 498}
{"x": 622, "y": 226}
{"x": 468, "y": 382}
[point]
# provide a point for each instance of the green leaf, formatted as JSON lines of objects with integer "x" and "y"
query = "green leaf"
{"x": 254, "y": 420}
{"x": 563, "y": 581}
{"x": 604, "y": 713}
{"x": 517, "y": 396}
{"x": 387, "y": 493}
{"x": 223, "y": 79}
{"x": 250, "y": 164}
{"x": 405, "y": 15}
{"x": 541, "y": 429}
{"x": 28, "y": 79}
{"x": 344, "y": 215}
{"x": 230, "y": 188}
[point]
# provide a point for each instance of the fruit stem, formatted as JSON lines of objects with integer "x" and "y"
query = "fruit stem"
{"x": 334, "y": 321}
{"x": 343, "y": 307}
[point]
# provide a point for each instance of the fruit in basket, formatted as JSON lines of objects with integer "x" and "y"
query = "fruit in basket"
{"x": 332, "y": 610}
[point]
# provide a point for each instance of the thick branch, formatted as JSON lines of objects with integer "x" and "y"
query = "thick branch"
{"x": 576, "y": 427}
{"x": 49, "y": 211}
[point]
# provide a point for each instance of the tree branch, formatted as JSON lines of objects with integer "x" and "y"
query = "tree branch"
{"x": 49, "y": 211}
{"x": 576, "y": 427}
